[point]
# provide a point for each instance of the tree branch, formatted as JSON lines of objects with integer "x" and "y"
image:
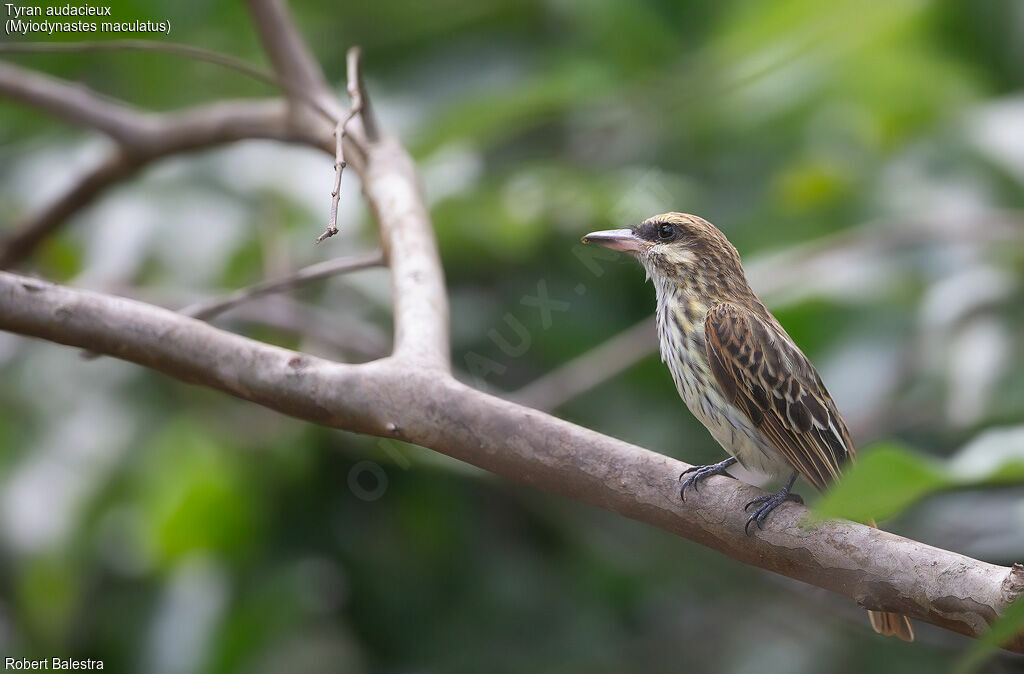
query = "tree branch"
{"x": 159, "y": 136}
{"x": 357, "y": 94}
{"x": 592, "y": 367}
{"x": 389, "y": 398}
{"x": 295, "y": 66}
{"x": 360, "y": 107}
{"x": 75, "y": 104}
{"x": 210, "y": 308}
{"x": 165, "y": 47}
{"x": 390, "y": 184}
{"x": 142, "y": 138}
{"x": 417, "y": 278}
{"x": 24, "y": 237}
{"x": 412, "y": 396}
{"x": 352, "y": 337}
{"x": 355, "y": 339}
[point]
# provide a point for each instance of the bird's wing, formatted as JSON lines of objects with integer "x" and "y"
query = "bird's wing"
{"x": 766, "y": 376}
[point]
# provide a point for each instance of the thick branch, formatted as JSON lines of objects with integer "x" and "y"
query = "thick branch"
{"x": 75, "y": 104}
{"x": 213, "y": 124}
{"x": 294, "y": 64}
{"x": 388, "y": 398}
{"x": 417, "y": 278}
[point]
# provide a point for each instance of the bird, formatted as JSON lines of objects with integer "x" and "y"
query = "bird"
{"x": 737, "y": 369}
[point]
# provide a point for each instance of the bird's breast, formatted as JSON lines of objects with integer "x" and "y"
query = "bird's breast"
{"x": 684, "y": 351}
{"x": 681, "y": 338}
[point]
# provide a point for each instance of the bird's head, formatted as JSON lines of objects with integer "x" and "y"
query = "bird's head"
{"x": 678, "y": 247}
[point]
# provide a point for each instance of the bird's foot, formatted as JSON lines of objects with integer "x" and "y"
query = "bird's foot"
{"x": 699, "y": 473}
{"x": 767, "y": 503}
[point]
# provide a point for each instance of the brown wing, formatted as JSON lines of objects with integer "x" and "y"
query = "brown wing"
{"x": 765, "y": 375}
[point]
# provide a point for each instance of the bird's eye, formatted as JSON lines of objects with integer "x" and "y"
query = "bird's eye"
{"x": 666, "y": 231}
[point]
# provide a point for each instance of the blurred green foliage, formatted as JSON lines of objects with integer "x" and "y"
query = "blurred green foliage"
{"x": 165, "y": 528}
{"x": 888, "y": 478}
{"x": 885, "y": 481}
{"x": 1004, "y": 629}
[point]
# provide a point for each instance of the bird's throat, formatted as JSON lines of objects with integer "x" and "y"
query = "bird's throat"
{"x": 680, "y": 312}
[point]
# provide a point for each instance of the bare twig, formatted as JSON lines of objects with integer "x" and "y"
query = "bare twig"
{"x": 358, "y": 101}
{"x": 339, "y": 166}
{"x": 315, "y": 272}
{"x": 209, "y": 309}
{"x": 591, "y": 368}
{"x": 304, "y": 80}
{"x": 346, "y": 335}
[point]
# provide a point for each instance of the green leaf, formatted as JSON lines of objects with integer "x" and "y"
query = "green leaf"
{"x": 1009, "y": 624}
{"x": 885, "y": 479}
{"x": 194, "y": 496}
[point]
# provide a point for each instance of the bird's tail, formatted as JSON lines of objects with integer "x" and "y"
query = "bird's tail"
{"x": 890, "y": 624}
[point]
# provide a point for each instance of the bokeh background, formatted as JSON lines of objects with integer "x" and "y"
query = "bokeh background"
{"x": 867, "y": 159}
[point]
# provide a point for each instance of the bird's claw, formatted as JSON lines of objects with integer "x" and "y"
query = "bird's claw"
{"x": 766, "y": 504}
{"x": 702, "y": 473}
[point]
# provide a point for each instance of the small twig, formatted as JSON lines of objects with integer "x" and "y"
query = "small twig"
{"x": 590, "y": 368}
{"x": 359, "y": 103}
{"x": 210, "y": 308}
{"x": 19, "y": 240}
{"x": 339, "y": 167}
{"x": 357, "y": 93}
{"x": 342, "y": 334}
{"x": 347, "y": 335}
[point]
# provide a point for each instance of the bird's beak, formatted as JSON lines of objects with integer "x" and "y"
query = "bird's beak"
{"x": 618, "y": 239}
